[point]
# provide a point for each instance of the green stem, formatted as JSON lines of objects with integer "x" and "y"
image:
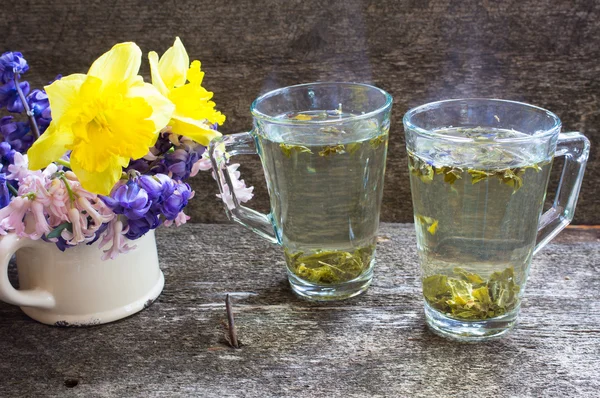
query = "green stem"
{"x": 12, "y": 189}
{"x": 63, "y": 162}
{"x": 32, "y": 122}
{"x": 72, "y": 195}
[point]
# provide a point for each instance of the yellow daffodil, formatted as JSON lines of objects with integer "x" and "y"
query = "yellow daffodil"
{"x": 105, "y": 118}
{"x": 193, "y": 108}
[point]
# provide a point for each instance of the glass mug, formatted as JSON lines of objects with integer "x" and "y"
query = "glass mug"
{"x": 323, "y": 149}
{"x": 479, "y": 169}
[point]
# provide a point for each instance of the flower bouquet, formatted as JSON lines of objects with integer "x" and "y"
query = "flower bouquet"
{"x": 100, "y": 160}
{"x": 104, "y": 156}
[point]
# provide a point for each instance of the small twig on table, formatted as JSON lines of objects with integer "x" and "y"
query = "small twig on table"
{"x": 233, "y": 341}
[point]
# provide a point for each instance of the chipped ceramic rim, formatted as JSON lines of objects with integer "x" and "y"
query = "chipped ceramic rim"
{"x": 277, "y": 120}
{"x": 547, "y": 133}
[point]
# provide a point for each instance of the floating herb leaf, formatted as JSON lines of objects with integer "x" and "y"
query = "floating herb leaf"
{"x": 375, "y": 142}
{"x": 288, "y": 149}
{"x": 451, "y": 174}
{"x": 468, "y": 296}
{"x": 330, "y": 266}
{"x": 420, "y": 168}
{"x": 331, "y": 150}
{"x": 512, "y": 178}
{"x": 478, "y": 175}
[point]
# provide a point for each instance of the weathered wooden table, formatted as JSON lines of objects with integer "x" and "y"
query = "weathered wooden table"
{"x": 374, "y": 345}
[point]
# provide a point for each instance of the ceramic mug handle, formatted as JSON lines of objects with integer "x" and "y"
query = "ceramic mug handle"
{"x": 219, "y": 150}
{"x": 9, "y": 244}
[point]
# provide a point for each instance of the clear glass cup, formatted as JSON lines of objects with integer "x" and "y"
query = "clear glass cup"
{"x": 479, "y": 169}
{"x": 323, "y": 149}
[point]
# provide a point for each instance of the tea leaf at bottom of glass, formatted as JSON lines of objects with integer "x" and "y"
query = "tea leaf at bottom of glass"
{"x": 468, "y": 296}
{"x": 330, "y": 266}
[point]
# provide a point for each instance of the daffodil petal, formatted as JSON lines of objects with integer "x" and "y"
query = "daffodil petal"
{"x": 120, "y": 63}
{"x": 49, "y": 147}
{"x": 162, "y": 107}
{"x": 157, "y": 80}
{"x": 100, "y": 182}
{"x": 197, "y": 130}
{"x": 195, "y": 74}
{"x": 174, "y": 64}
{"x": 63, "y": 92}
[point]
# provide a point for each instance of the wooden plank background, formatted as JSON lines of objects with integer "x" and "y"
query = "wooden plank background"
{"x": 544, "y": 52}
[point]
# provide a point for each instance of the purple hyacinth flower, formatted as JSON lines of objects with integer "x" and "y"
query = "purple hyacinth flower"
{"x": 163, "y": 143}
{"x": 4, "y": 194}
{"x": 16, "y": 133}
{"x": 139, "y": 227}
{"x": 7, "y": 154}
{"x": 160, "y": 168}
{"x": 133, "y": 199}
{"x": 140, "y": 165}
{"x": 128, "y": 199}
{"x": 11, "y": 64}
{"x": 40, "y": 106}
{"x": 9, "y": 97}
{"x": 152, "y": 185}
{"x": 98, "y": 233}
{"x": 174, "y": 204}
{"x": 181, "y": 160}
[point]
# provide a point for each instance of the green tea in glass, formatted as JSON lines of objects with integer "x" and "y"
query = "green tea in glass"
{"x": 479, "y": 169}
{"x": 323, "y": 149}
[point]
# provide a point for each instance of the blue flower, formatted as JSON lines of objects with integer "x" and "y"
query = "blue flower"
{"x": 9, "y": 97}
{"x": 174, "y": 204}
{"x": 139, "y": 227}
{"x": 158, "y": 186}
{"x": 40, "y": 106}
{"x": 181, "y": 160}
{"x": 11, "y": 64}
{"x": 16, "y": 133}
{"x": 4, "y": 194}
{"x": 128, "y": 199}
{"x": 7, "y": 155}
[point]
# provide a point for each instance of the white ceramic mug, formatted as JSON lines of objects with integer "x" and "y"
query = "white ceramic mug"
{"x": 75, "y": 287}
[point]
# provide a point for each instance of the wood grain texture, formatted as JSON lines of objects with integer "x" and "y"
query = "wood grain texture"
{"x": 542, "y": 52}
{"x": 375, "y": 345}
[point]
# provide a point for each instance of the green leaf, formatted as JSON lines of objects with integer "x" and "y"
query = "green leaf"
{"x": 55, "y": 233}
{"x": 377, "y": 141}
{"x": 331, "y": 150}
{"x": 451, "y": 174}
{"x": 330, "y": 266}
{"x": 468, "y": 296}
{"x": 288, "y": 149}
{"x": 511, "y": 178}
{"x": 468, "y": 276}
{"x": 478, "y": 175}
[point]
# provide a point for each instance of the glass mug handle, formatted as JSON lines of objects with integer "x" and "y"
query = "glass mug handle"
{"x": 575, "y": 147}
{"x": 219, "y": 150}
